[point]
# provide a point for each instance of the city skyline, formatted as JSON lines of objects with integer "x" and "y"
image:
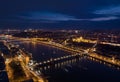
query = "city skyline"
{"x": 63, "y": 14}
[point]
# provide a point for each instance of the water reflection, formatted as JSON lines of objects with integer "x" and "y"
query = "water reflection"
{"x": 84, "y": 69}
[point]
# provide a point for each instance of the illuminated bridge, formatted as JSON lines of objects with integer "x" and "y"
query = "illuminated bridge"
{"x": 61, "y": 62}
{"x": 56, "y": 62}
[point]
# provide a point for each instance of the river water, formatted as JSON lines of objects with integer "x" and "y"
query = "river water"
{"x": 83, "y": 70}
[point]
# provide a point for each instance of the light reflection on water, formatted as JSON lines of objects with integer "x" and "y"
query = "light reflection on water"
{"x": 86, "y": 69}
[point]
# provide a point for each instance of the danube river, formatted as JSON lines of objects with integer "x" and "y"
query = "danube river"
{"x": 83, "y": 70}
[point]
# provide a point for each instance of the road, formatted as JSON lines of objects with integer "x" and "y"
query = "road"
{"x": 28, "y": 73}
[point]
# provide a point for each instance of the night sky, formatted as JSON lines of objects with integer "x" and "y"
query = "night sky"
{"x": 60, "y": 14}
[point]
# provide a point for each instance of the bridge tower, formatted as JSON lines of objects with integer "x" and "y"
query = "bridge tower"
{"x": 65, "y": 42}
{"x": 113, "y": 59}
{"x": 93, "y": 48}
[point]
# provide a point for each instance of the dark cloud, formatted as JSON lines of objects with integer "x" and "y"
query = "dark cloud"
{"x": 62, "y": 13}
{"x": 110, "y": 10}
{"x": 52, "y": 17}
{"x": 46, "y": 16}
